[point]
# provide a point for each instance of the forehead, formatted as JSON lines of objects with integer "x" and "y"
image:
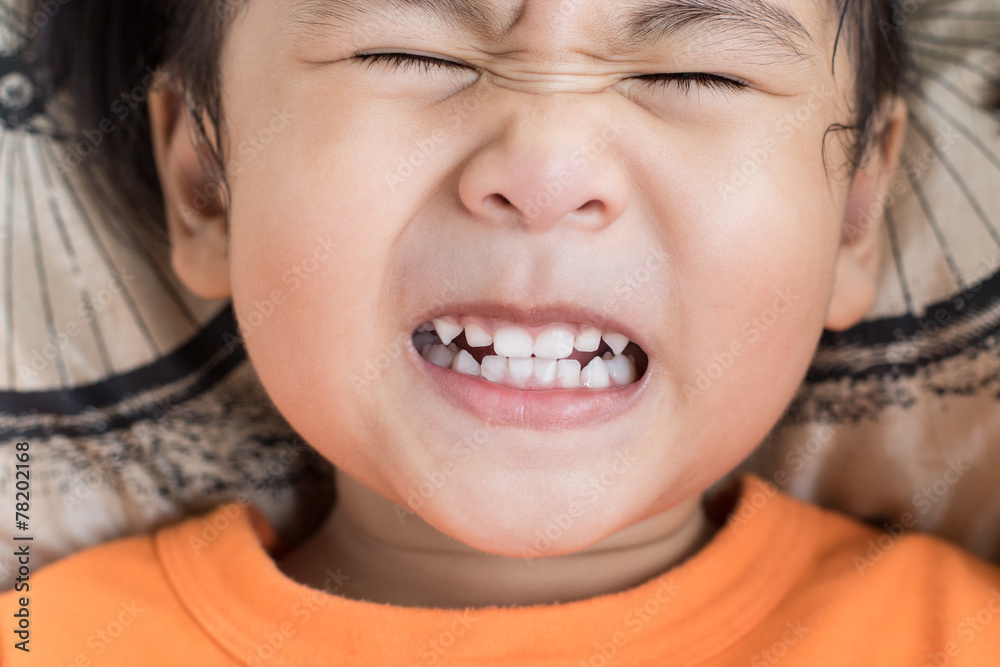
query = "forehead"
{"x": 627, "y": 25}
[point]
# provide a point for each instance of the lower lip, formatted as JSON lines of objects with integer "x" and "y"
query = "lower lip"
{"x": 540, "y": 409}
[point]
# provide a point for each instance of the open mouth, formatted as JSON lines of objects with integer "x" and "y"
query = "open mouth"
{"x": 558, "y": 355}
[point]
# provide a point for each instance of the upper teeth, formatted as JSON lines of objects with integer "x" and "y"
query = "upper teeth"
{"x": 554, "y": 341}
{"x": 447, "y": 330}
{"x": 476, "y": 334}
{"x": 616, "y": 342}
{"x": 523, "y": 359}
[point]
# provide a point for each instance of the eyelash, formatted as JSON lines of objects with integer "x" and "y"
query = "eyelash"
{"x": 684, "y": 81}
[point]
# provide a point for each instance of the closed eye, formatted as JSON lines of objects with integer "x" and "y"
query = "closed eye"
{"x": 408, "y": 61}
{"x": 684, "y": 80}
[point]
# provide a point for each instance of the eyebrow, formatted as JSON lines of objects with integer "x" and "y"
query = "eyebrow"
{"x": 652, "y": 22}
{"x": 476, "y": 17}
{"x": 648, "y": 23}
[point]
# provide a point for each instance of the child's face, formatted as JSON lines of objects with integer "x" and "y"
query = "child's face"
{"x": 549, "y": 181}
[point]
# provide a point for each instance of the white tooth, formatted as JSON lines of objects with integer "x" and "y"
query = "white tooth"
{"x": 608, "y": 356}
{"x": 615, "y": 341}
{"x": 465, "y": 363}
{"x": 440, "y": 356}
{"x": 494, "y": 368}
{"x": 447, "y": 329}
{"x": 595, "y": 375}
{"x": 477, "y": 335}
{"x": 554, "y": 343}
{"x": 544, "y": 371}
{"x": 425, "y": 349}
{"x": 568, "y": 372}
{"x": 454, "y": 348}
{"x": 621, "y": 370}
{"x": 588, "y": 340}
{"x": 510, "y": 341}
{"x": 520, "y": 369}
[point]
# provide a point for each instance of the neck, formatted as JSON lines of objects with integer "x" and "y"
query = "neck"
{"x": 415, "y": 565}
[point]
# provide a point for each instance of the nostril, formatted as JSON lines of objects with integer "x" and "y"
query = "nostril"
{"x": 497, "y": 199}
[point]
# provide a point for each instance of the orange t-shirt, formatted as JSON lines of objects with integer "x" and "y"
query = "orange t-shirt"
{"x": 782, "y": 582}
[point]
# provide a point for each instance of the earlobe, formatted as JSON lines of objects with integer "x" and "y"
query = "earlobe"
{"x": 858, "y": 258}
{"x": 196, "y": 216}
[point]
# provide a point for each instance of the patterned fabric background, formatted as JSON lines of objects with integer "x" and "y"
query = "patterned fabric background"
{"x": 902, "y": 413}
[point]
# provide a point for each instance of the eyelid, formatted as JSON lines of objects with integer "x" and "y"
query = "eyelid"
{"x": 684, "y": 81}
{"x": 402, "y": 60}
{"x": 407, "y": 60}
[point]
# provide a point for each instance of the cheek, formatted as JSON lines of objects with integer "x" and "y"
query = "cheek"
{"x": 307, "y": 274}
{"x": 311, "y": 218}
{"x": 749, "y": 289}
{"x": 316, "y": 224}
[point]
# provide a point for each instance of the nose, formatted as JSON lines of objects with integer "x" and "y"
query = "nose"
{"x": 551, "y": 162}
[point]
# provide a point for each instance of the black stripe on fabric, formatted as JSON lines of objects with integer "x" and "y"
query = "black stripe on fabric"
{"x": 938, "y": 318}
{"x": 218, "y": 335}
{"x": 118, "y": 422}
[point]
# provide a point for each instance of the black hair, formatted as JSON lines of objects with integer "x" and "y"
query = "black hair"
{"x": 881, "y": 59}
{"x": 97, "y": 51}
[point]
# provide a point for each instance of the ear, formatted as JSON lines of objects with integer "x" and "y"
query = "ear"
{"x": 860, "y": 247}
{"x": 196, "y": 216}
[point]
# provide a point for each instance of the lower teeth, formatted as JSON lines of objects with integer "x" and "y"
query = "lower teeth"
{"x": 605, "y": 372}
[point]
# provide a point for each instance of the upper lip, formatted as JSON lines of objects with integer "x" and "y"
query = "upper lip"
{"x": 533, "y": 315}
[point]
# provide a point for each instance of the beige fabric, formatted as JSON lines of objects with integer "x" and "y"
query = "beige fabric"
{"x": 916, "y": 427}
